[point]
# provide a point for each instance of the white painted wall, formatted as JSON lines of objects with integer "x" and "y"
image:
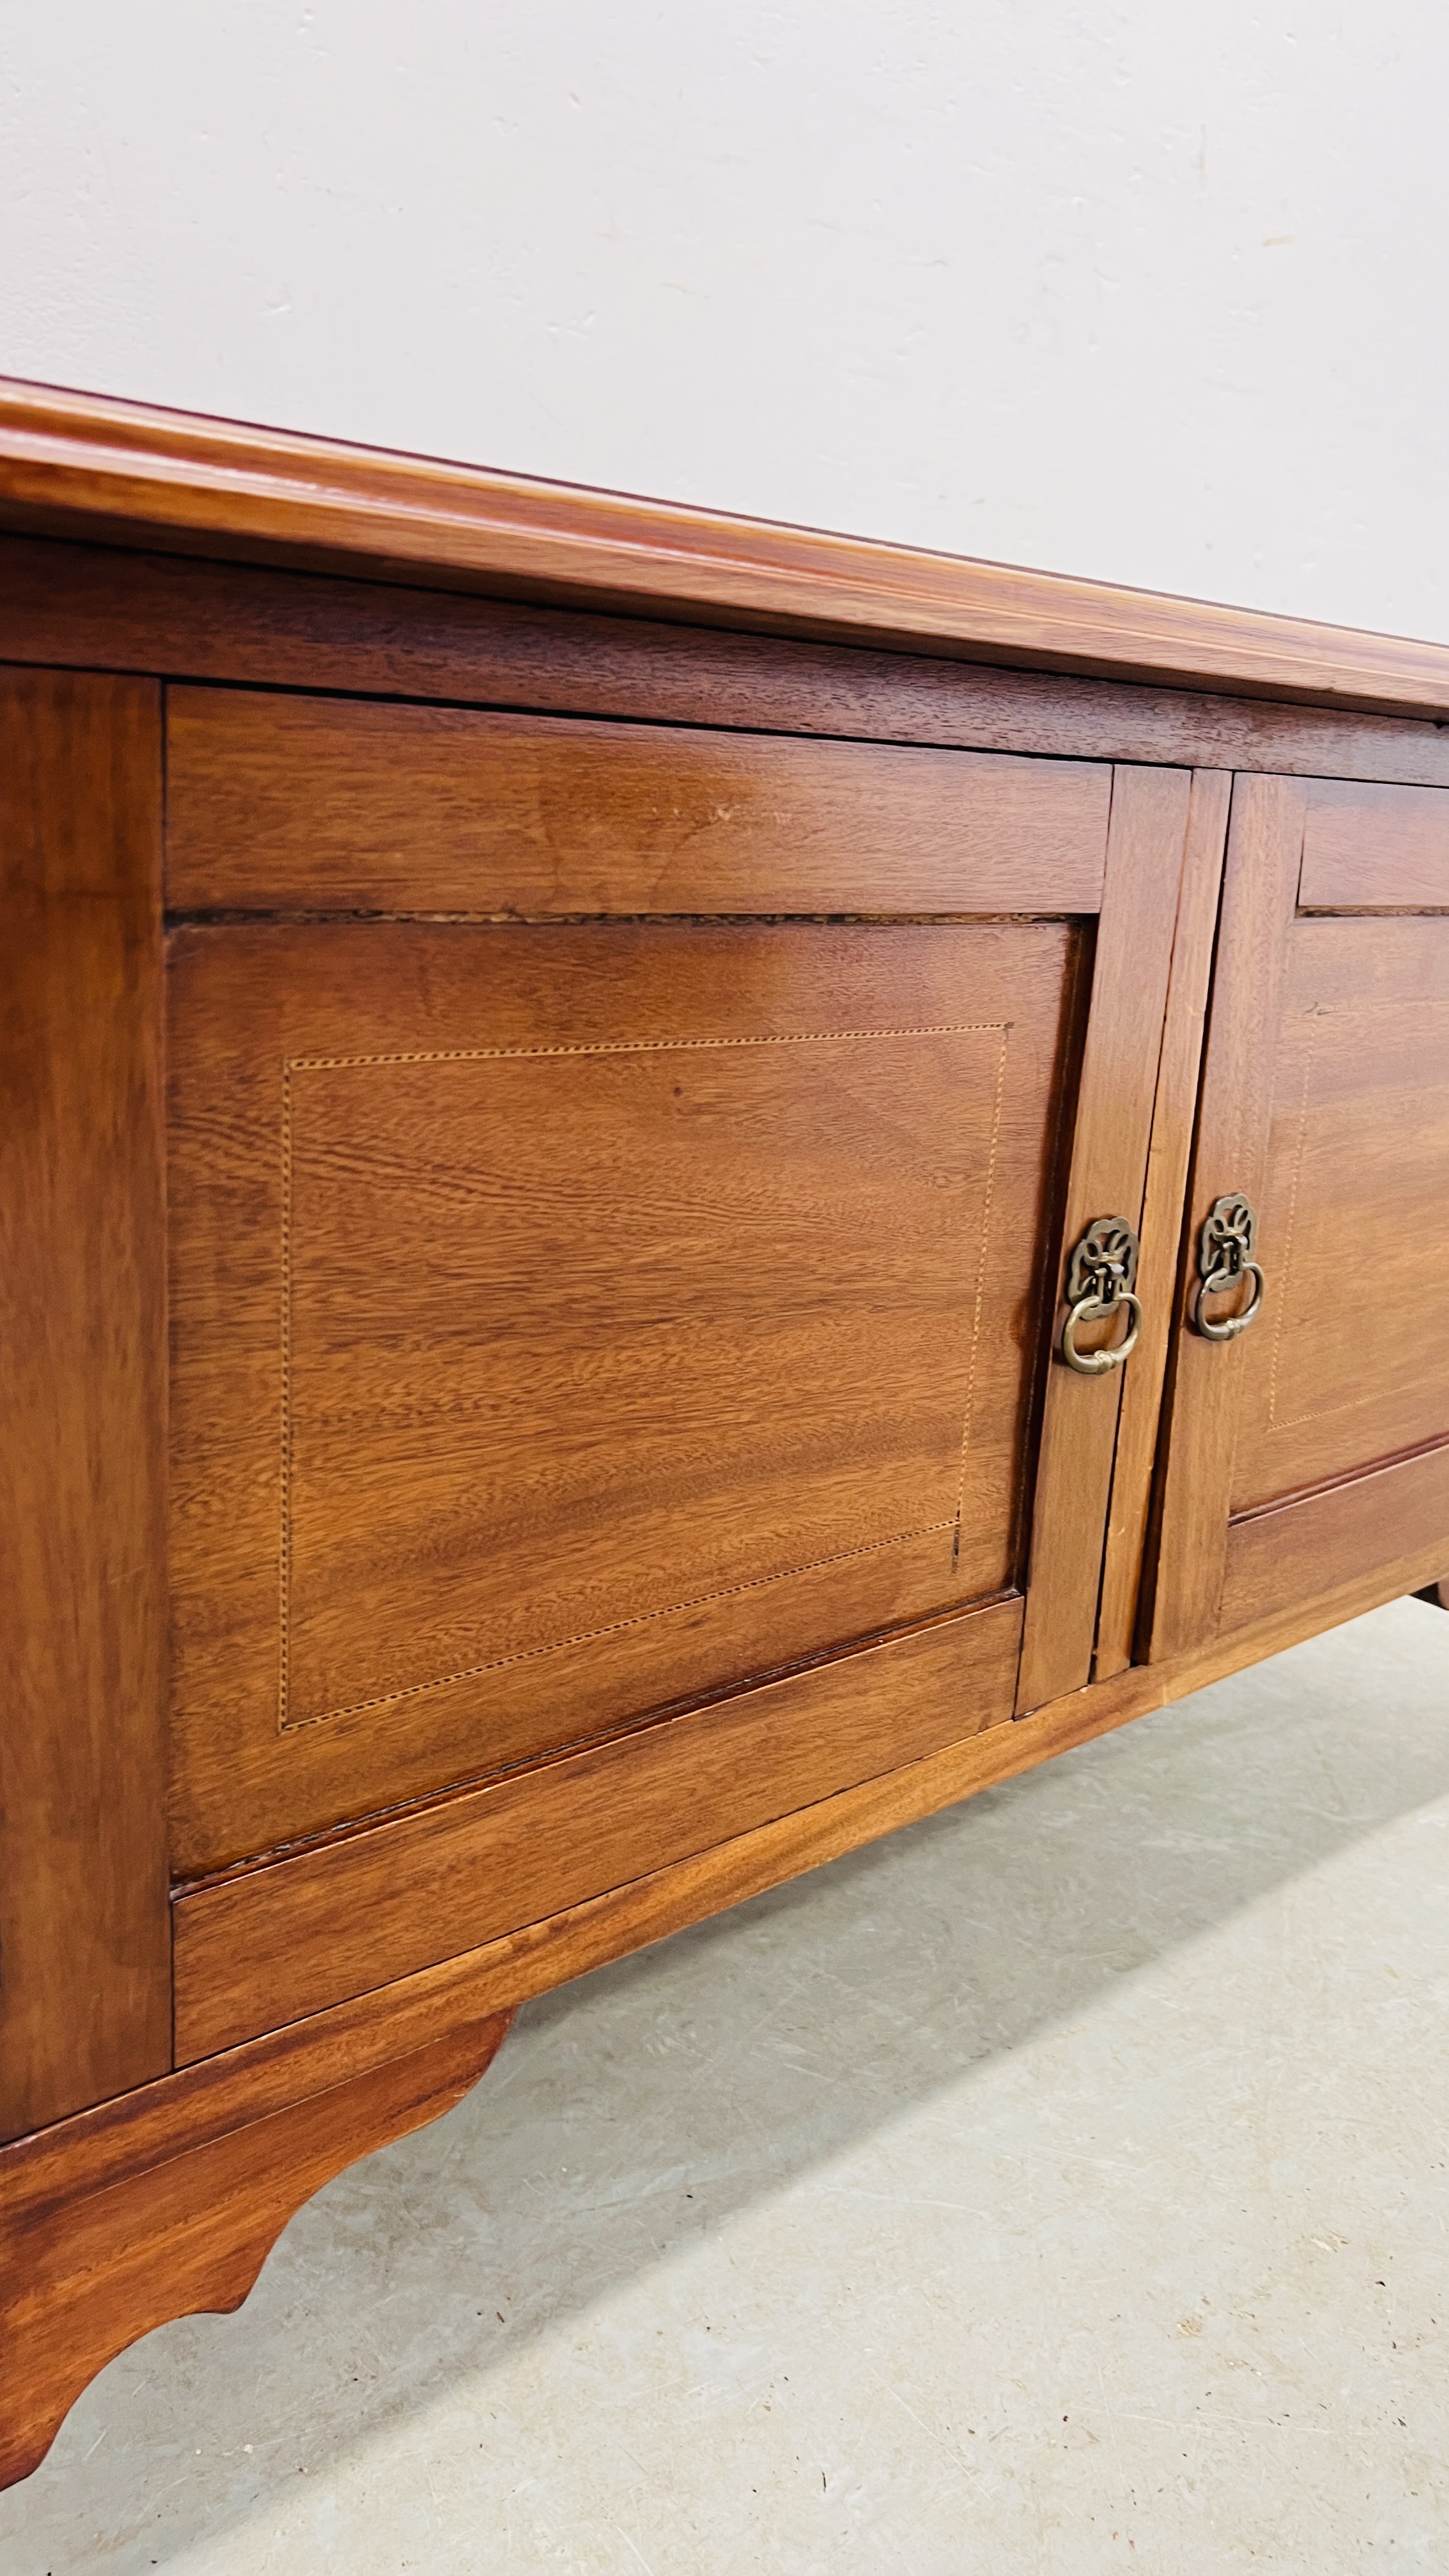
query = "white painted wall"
{"x": 1153, "y": 290}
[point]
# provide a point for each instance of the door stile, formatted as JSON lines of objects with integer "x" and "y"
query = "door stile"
{"x": 1169, "y": 1156}
{"x": 1146, "y": 841}
{"x": 1260, "y": 891}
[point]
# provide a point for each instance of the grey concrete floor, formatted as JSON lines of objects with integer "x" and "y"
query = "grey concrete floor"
{"x": 1061, "y": 2185}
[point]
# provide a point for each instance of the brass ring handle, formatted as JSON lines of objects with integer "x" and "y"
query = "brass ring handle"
{"x": 1228, "y": 1329}
{"x": 1101, "y": 1276}
{"x": 1225, "y": 1247}
{"x": 1089, "y": 1310}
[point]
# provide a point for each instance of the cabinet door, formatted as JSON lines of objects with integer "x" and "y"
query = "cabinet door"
{"x": 1309, "y": 1456}
{"x": 575, "y": 1320}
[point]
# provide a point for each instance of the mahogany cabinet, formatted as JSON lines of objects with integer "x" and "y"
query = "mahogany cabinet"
{"x": 671, "y": 1192}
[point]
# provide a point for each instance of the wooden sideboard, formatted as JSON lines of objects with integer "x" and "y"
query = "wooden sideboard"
{"x": 576, "y": 1075}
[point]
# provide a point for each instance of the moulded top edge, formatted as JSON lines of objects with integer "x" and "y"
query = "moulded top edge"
{"x": 81, "y": 465}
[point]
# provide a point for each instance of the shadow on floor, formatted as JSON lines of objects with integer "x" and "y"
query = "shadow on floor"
{"x": 637, "y": 2109}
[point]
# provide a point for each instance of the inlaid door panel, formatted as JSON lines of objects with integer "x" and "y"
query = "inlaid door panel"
{"x": 1315, "y": 1447}
{"x": 1353, "y": 1362}
{"x": 571, "y": 1320}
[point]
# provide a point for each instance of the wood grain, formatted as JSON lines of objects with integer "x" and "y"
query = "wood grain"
{"x": 84, "y": 1956}
{"x": 1291, "y": 1551}
{"x": 1355, "y": 1189}
{"x": 102, "y": 607}
{"x": 570, "y": 1322}
{"x": 1173, "y": 1115}
{"x": 78, "y": 465}
{"x": 786, "y": 1267}
{"x": 1260, "y": 884}
{"x": 324, "y": 804}
{"x": 1108, "y": 1175}
{"x": 539, "y": 1956}
{"x": 1374, "y": 846}
{"x": 1328, "y": 1080}
{"x": 168, "y": 2198}
{"x": 169, "y": 2201}
{"x": 266, "y": 1946}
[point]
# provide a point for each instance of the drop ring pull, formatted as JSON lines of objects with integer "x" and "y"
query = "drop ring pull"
{"x": 1224, "y": 1260}
{"x": 1101, "y": 1278}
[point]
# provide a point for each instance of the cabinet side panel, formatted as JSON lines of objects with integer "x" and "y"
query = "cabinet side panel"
{"x": 85, "y": 2006}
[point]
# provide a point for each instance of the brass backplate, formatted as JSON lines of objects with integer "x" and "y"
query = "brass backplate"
{"x": 1104, "y": 1262}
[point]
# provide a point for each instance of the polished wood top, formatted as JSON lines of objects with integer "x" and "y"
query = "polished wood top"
{"x": 77, "y": 465}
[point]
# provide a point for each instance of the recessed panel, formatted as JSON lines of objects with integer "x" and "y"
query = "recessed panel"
{"x": 570, "y": 1322}
{"x": 1350, "y": 1362}
{"x": 580, "y": 1339}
